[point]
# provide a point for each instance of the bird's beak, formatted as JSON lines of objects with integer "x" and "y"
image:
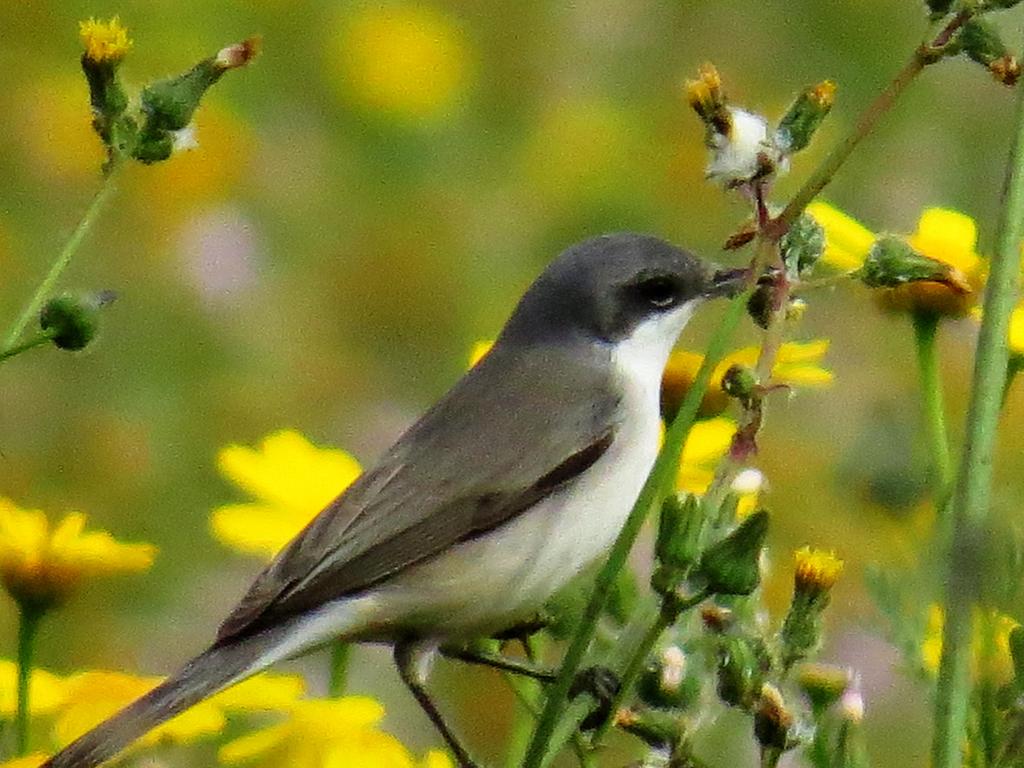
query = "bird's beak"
{"x": 727, "y": 283}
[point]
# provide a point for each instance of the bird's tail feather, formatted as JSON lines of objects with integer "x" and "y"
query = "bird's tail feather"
{"x": 207, "y": 673}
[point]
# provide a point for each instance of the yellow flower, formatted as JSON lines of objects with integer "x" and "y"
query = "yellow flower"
{"x": 46, "y": 690}
{"x": 816, "y": 571}
{"x": 334, "y": 733}
{"x": 706, "y": 445}
{"x": 1016, "y": 339}
{"x": 942, "y": 234}
{"x": 798, "y": 364}
{"x": 104, "y": 41}
{"x": 408, "y": 61}
{"x": 93, "y": 696}
{"x": 29, "y": 761}
{"x": 478, "y": 350}
{"x": 990, "y": 643}
{"x": 291, "y": 480}
{"x": 43, "y": 567}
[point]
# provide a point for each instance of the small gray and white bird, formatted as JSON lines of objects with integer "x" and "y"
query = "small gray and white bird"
{"x": 511, "y": 484}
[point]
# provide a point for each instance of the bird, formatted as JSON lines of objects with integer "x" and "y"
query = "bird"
{"x": 510, "y": 485}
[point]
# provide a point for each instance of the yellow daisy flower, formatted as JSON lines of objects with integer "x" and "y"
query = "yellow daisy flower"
{"x": 706, "y": 445}
{"x": 408, "y": 61}
{"x": 333, "y": 733}
{"x": 798, "y": 364}
{"x": 291, "y": 480}
{"x": 46, "y": 690}
{"x": 29, "y": 761}
{"x": 816, "y": 570}
{"x": 42, "y": 566}
{"x": 990, "y": 644}
{"x": 93, "y": 696}
{"x": 104, "y": 41}
{"x": 942, "y": 234}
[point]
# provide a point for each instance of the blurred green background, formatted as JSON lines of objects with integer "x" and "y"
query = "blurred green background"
{"x": 349, "y": 226}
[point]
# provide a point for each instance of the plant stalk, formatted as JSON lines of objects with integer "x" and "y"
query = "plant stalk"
{"x": 926, "y": 326}
{"x": 341, "y": 652}
{"x": 25, "y": 346}
{"x": 970, "y": 504}
{"x": 28, "y": 628}
{"x": 658, "y": 482}
{"x": 46, "y": 287}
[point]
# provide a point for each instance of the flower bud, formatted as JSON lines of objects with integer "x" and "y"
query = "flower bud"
{"x": 740, "y": 382}
{"x": 657, "y": 729}
{"x": 105, "y": 45}
{"x": 707, "y": 99}
{"x": 732, "y": 565}
{"x": 891, "y": 262}
{"x": 816, "y": 574}
{"x": 741, "y": 670}
{"x": 665, "y": 683}
{"x": 716, "y": 618}
{"x": 939, "y": 8}
{"x": 762, "y": 302}
{"x": 823, "y": 684}
{"x": 980, "y": 40}
{"x": 72, "y": 320}
{"x": 804, "y": 116}
{"x": 678, "y": 545}
{"x": 802, "y": 245}
{"x": 772, "y": 720}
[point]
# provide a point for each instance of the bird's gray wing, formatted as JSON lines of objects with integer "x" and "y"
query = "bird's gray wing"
{"x": 513, "y": 430}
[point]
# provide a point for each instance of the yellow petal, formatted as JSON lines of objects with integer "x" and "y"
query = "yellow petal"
{"x": 29, "y": 761}
{"x": 1017, "y": 331}
{"x": 847, "y": 241}
{"x": 708, "y": 441}
{"x": 257, "y": 529}
{"x": 252, "y": 745}
{"x": 46, "y": 691}
{"x": 479, "y": 349}
{"x": 436, "y": 759}
{"x": 948, "y": 236}
{"x": 262, "y": 692}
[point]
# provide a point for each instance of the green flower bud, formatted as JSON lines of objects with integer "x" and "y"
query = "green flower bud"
{"x": 665, "y": 682}
{"x": 732, "y": 566}
{"x": 823, "y": 684}
{"x": 678, "y": 545}
{"x": 72, "y": 320}
{"x": 939, "y": 7}
{"x": 980, "y": 40}
{"x": 657, "y": 729}
{"x": 802, "y": 245}
{"x": 773, "y": 722}
{"x": 740, "y": 382}
{"x": 804, "y": 116}
{"x": 891, "y": 262}
{"x": 741, "y": 671}
{"x": 761, "y": 303}
{"x": 816, "y": 574}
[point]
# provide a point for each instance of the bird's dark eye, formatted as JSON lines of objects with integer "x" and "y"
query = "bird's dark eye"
{"x": 660, "y": 292}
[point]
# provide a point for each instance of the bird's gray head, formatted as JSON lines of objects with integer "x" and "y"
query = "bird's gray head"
{"x": 606, "y": 288}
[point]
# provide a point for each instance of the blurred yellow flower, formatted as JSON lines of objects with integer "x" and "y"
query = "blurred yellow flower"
{"x": 291, "y": 480}
{"x": 798, "y": 364}
{"x": 478, "y": 350}
{"x": 41, "y": 567}
{"x": 333, "y": 733}
{"x": 707, "y": 444}
{"x": 942, "y": 234}
{"x": 46, "y": 690}
{"x": 990, "y": 643}
{"x": 407, "y": 61}
{"x": 104, "y": 41}
{"x": 1015, "y": 335}
{"x": 29, "y": 761}
{"x": 93, "y": 696}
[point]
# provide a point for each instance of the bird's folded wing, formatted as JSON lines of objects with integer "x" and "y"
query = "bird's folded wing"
{"x": 506, "y": 436}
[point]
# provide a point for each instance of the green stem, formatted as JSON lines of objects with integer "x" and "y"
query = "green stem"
{"x": 658, "y": 482}
{"x": 46, "y": 287}
{"x": 970, "y": 506}
{"x": 926, "y": 326}
{"x": 667, "y": 616}
{"x": 341, "y": 651}
{"x": 25, "y": 346}
{"x": 27, "y": 629}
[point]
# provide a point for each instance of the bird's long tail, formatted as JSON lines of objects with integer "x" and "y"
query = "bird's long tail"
{"x": 207, "y": 673}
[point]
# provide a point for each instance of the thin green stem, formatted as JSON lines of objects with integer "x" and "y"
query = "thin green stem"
{"x": 28, "y": 627}
{"x": 46, "y": 287}
{"x": 970, "y": 505}
{"x": 341, "y": 652}
{"x": 667, "y": 616}
{"x": 658, "y": 482}
{"x": 25, "y": 346}
{"x": 926, "y": 326}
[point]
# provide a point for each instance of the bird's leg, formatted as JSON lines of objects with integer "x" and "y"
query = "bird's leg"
{"x": 408, "y": 657}
{"x": 497, "y": 661}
